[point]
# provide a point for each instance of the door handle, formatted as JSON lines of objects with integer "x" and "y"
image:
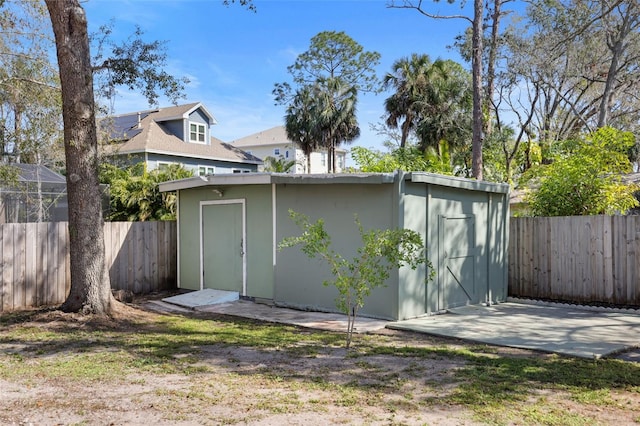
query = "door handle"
{"x": 241, "y": 247}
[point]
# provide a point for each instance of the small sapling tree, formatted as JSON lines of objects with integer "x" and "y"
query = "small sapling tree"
{"x": 380, "y": 253}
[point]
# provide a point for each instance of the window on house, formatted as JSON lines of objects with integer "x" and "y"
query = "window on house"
{"x": 205, "y": 170}
{"x": 341, "y": 161}
{"x": 276, "y": 151}
{"x": 197, "y": 132}
{"x": 237, "y": 171}
{"x": 323, "y": 159}
{"x": 163, "y": 165}
{"x": 286, "y": 154}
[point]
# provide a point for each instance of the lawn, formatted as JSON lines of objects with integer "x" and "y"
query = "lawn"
{"x": 142, "y": 367}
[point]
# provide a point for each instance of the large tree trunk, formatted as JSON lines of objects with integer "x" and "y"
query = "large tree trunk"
{"x": 476, "y": 67}
{"x": 491, "y": 66}
{"x": 90, "y": 287}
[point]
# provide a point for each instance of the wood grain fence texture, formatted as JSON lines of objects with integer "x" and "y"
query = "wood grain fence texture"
{"x": 582, "y": 259}
{"x": 35, "y": 265}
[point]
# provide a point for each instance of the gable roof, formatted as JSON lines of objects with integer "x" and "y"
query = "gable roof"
{"x": 35, "y": 173}
{"x": 144, "y": 131}
{"x": 271, "y": 137}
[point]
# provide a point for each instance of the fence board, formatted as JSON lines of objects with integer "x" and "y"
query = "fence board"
{"x": 3, "y": 283}
{"x": 592, "y": 259}
{"x": 31, "y": 277}
{"x": 35, "y": 260}
{"x": 19, "y": 264}
{"x": 7, "y": 266}
{"x": 41, "y": 263}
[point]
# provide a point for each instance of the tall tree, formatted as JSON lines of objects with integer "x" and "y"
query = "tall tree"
{"x": 90, "y": 286}
{"x": 29, "y": 89}
{"x": 572, "y": 68}
{"x": 476, "y": 71}
{"x": 300, "y": 123}
{"x": 335, "y": 67}
{"x": 476, "y": 22}
{"x": 621, "y": 25}
{"x": 445, "y": 106}
{"x": 408, "y": 79}
{"x": 336, "y": 116}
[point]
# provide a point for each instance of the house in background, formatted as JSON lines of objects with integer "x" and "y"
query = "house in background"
{"x": 174, "y": 135}
{"x": 275, "y": 143}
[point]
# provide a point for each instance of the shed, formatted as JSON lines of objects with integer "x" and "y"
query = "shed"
{"x": 229, "y": 227}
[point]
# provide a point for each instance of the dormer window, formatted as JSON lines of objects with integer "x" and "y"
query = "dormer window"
{"x": 197, "y": 133}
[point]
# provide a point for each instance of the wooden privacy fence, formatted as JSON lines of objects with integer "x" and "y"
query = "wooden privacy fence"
{"x": 141, "y": 257}
{"x": 576, "y": 259}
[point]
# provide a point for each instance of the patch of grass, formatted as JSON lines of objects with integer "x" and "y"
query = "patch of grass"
{"x": 81, "y": 367}
{"x": 554, "y": 416}
{"x": 497, "y": 389}
{"x": 501, "y": 387}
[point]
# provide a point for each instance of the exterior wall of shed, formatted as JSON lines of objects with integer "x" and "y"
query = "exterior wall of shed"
{"x": 299, "y": 279}
{"x": 259, "y": 236}
{"x": 412, "y": 283}
{"x": 491, "y": 216}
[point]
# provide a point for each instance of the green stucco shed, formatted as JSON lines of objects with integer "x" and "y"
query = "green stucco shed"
{"x": 229, "y": 227}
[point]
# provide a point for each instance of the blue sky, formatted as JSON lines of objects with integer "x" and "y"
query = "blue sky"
{"x": 233, "y": 56}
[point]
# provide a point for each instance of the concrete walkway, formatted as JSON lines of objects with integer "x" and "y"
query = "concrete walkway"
{"x": 269, "y": 313}
{"x": 567, "y": 330}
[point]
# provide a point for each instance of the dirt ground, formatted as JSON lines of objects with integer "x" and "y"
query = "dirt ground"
{"x": 242, "y": 385}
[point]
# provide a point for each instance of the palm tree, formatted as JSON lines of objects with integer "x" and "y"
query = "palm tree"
{"x": 323, "y": 115}
{"x": 278, "y": 165}
{"x": 445, "y": 106}
{"x": 409, "y": 79}
{"x": 336, "y": 115}
{"x": 300, "y": 123}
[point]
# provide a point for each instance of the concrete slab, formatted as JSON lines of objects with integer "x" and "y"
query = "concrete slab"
{"x": 564, "y": 330}
{"x": 205, "y": 297}
{"x": 308, "y": 319}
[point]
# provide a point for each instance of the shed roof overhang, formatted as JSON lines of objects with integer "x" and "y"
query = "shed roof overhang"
{"x": 338, "y": 178}
{"x": 457, "y": 182}
{"x": 277, "y": 178}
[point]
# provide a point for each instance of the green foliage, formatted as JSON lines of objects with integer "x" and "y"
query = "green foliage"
{"x": 278, "y": 165}
{"x": 332, "y": 55}
{"x": 135, "y": 64}
{"x": 431, "y": 99}
{"x": 8, "y": 175}
{"x": 380, "y": 253}
{"x": 409, "y": 159}
{"x": 585, "y": 177}
{"x": 135, "y": 195}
